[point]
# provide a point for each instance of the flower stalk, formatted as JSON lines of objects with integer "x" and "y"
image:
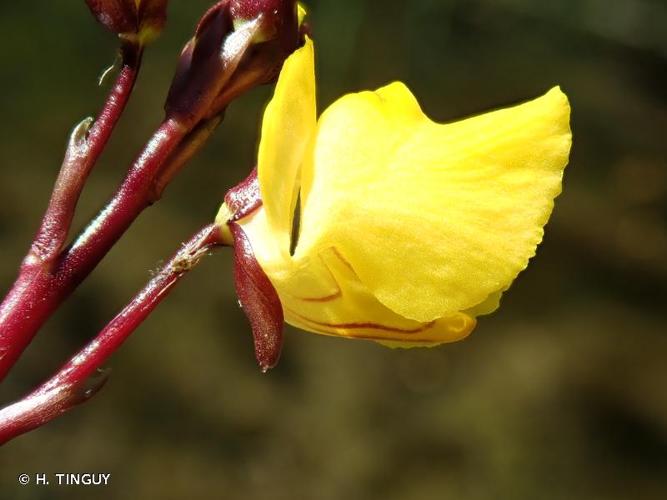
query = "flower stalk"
{"x": 86, "y": 144}
{"x": 42, "y": 286}
{"x": 33, "y": 296}
{"x": 82, "y": 376}
{"x": 224, "y": 59}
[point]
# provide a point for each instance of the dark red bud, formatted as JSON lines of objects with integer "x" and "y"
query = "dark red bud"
{"x": 140, "y": 22}
{"x": 152, "y": 16}
{"x": 237, "y": 46}
{"x": 259, "y": 301}
{"x": 250, "y": 9}
{"x": 118, "y": 16}
{"x": 204, "y": 67}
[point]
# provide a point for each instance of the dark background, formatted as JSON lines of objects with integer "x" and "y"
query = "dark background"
{"x": 561, "y": 394}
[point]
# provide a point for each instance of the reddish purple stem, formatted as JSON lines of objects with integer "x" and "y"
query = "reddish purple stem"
{"x": 41, "y": 287}
{"x": 83, "y": 151}
{"x": 38, "y": 290}
{"x": 218, "y": 64}
{"x": 79, "y": 379}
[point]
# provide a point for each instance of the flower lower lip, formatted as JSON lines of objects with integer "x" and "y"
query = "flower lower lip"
{"x": 361, "y": 325}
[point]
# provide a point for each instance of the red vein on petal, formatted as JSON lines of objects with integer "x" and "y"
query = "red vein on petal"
{"x": 372, "y": 337}
{"x": 361, "y": 325}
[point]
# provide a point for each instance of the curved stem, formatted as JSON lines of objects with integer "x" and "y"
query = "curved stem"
{"x": 33, "y": 296}
{"x": 79, "y": 379}
{"x": 84, "y": 149}
{"x": 132, "y": 197}
{"x": 41, "y": 287}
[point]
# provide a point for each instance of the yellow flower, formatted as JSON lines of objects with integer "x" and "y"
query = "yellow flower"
{"x": 409, "y": 229}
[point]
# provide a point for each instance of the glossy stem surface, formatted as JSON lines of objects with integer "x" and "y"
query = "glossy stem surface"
{"x": 42, "y": 286}
{"x": 37, "y": 290}
{"x": 84, "y": 149}
{"x": 81, "y": 377}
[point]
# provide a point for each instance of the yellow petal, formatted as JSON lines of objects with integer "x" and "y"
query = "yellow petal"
{"x": 351, "y": 310}
{"x": 288, "y": 125}
{"x": 434, "y": 219}
{"x": 322, "y": 294}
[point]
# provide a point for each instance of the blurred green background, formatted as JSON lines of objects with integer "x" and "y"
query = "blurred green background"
{"x": 561, "y": 394}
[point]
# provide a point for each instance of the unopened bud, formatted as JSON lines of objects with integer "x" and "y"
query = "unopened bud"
{"x": 137, "y": 21}
{"x": 276, "y": 13}
{"x": 238, "y": 44}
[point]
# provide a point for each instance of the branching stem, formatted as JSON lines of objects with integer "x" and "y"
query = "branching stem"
{"x": 81, "y": 377}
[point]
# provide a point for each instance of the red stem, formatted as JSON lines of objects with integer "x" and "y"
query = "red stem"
{"x": 49, "y": 274}
{"x": 35, "y": 294}
{"x": 76, "y": 381}
{"x": 41, "y": 287}
{"x": 83, "y": 151}
{"x": 136, "y": 193}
